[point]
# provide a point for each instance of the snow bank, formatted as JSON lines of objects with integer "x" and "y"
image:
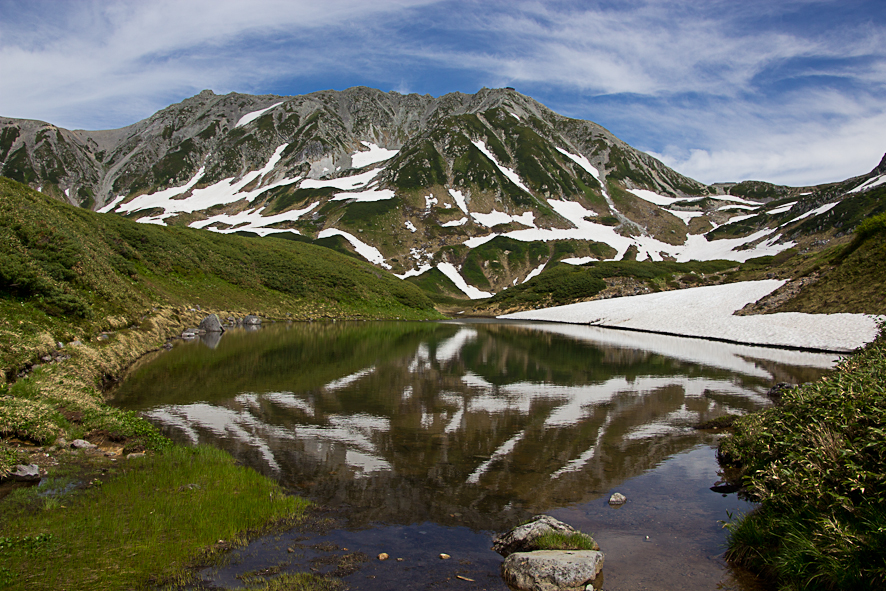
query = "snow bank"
{"x": 706, "y": 312}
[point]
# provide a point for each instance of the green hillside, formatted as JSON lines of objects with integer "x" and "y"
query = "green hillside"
{"x": 68, "y": 273}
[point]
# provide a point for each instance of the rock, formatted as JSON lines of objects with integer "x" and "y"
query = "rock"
{"x": 212, "y": 324}
{"x": 82, "y": 444}
{"x": 138, "y": 454}
{"x": 617, "y": 499}
{"x": 25, "y": 473}
{"x": 445, "y": 556}
{"x": 522, "y": 538}
{"x": 190, "y": 333}
{"x": 775, "y": 392}
{"x": 383, "y": 556}
{"x": 552, "y": 570}
{"x": 251, "y": 320}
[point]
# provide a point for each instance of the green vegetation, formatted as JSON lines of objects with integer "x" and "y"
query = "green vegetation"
{"x": 849, "y": 278}
{"x": 757, "y": 190}
{"x": 559, "y": 541}
{"x": 562, "y": 284}
{"x": 136, "y": 523}
{"x": 816, "y": 464}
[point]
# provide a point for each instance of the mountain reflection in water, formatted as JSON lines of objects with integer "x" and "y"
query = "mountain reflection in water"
{"x": 474, "y": 423}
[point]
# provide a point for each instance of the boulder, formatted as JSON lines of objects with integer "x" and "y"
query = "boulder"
{"x": 82, "y": 444}
{"x": 552, "y": 570}
{"x": 522, "y": 538}
{"x": 25, "y": 473}
{"x": 212, "y": 324}
{"x": 617, "y": 499}
{"x": 251, "y": 320}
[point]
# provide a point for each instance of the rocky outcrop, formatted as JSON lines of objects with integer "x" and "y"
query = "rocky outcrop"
{"x": 529, "y": 566}
{"x": 523, "y": 537}
{"x": 552, "y": 570}
{"x": 25, "y": 473}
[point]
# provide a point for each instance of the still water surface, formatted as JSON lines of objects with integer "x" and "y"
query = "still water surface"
{"x": 430, "y": 437}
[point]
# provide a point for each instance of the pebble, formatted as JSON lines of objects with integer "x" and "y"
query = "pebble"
{"x": 445, "y": 556}
{"x": 383, "y": 556}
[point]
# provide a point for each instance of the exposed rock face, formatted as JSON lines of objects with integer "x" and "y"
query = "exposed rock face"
{"x": 212, "y": 324}
{"x": 552, "y": 570}
{"x": 522, "y": 538}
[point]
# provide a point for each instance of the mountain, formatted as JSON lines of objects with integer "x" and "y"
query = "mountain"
{"x": 466, "y": 194}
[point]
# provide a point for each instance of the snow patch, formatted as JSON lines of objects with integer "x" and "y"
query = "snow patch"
{"x": 347, "y": 183}
{"x": 250, "y": 117}
{"x": 583, "y": 162}
{"x": 707, "y": 312}
{"x": 374, "y": 155}
{"x": 370, "y": 253}
{"x": 459, "y": 200}
{"x": 472, "y": 292}
{"x": 365, "y": 196}
{"x": 823, "y": 209}
{"x": 454, "y": 223}
{"x": 782, "y": 209}
{"x": 870, "y": 184}
{"x": 508, "y": 172}
{"x": 411, "y": 227}
{"x": 535, "y": 272}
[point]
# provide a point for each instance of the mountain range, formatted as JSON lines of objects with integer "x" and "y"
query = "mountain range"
{"x": 471, "y": 193}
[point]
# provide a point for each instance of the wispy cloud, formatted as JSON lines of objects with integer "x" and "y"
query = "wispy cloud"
{"x": 788, "y": 91}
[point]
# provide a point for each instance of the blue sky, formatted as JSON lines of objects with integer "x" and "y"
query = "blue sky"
{"x": 791, "y": 91}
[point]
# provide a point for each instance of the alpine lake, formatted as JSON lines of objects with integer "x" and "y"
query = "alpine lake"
{"x": 417, "y": 439}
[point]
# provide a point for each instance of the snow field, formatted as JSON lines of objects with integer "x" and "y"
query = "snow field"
{"x": 707, "y": 312}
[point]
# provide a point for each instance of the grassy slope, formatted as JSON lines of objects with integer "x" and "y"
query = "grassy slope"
{"x": 817, "y": 464}
{"x": 853, "y": 277}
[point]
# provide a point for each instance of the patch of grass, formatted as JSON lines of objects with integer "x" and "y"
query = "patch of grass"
{"x": 816, "y": 464}
{"x": 560, "y": 541}
{"x": 148, "y": 521}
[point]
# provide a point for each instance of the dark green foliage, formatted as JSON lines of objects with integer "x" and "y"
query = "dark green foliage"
{"x": 18, "y": 167}
{"x": 422, "y": 167}
{"x": 7, "y": 139}
{"x": 282, "y": 198}
{"x": 624, "y": 168}
{"x": 757, "y": 190}
{"x": 174, "y": 163}
{"x": 817, "y": 465}
{"x": 209, "y": 132}
{"x": 435, "y": 283}
{"x": 366, "y": 212}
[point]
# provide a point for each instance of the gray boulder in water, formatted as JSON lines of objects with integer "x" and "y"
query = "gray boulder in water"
{"x": 522, "y": 538}
{"x": 251, "y": 320}
{"x": 212, "y": 324}
{"x": 552, "y": 570}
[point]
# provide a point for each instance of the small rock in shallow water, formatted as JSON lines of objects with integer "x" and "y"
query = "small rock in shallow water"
{"x": 445, "y": 556}
{"x": 617, "y": 499}
{"x": 26, "y": 473}
{"x": 82, "y": 444}
{"x": 383, "y": 556}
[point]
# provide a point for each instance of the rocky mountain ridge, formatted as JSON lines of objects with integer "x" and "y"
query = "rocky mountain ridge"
{"x": 472, "y": 192}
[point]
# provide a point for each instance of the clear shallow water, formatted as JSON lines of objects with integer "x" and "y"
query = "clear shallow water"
{"x": 430, "y": 437}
